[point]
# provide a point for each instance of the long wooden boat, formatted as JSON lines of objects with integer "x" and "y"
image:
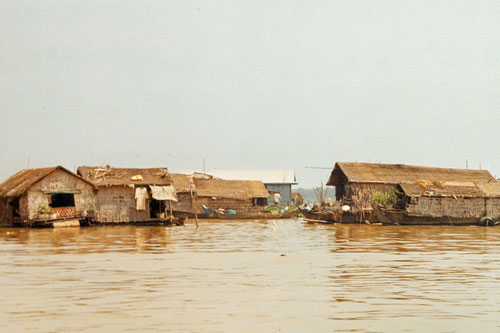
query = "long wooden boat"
{"x": 330, "y": 216}
{"x": 243, "y": 216}
{"x": 73, "y": 221}
{"x": 402, "y": 217}
{"x": 323, "y": 216}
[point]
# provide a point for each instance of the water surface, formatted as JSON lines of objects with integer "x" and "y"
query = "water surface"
{"x": 247, "y": 276}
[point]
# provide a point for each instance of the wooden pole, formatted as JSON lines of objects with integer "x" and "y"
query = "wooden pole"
{"x": 194, "y": 209}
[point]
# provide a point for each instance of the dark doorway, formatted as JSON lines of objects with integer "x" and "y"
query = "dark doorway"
{"x": 15, "y": 207}
{"x": 62, "y": 200}
{"x": 156, "y": 207}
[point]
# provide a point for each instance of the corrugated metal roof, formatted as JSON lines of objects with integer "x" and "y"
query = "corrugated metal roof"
{"x": 265, "y": 176}
{"x": 396, "y": 173}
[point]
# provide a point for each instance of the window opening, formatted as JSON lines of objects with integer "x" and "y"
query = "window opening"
{"x": 62, "y": 200}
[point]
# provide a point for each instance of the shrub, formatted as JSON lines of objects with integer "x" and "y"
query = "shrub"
{"x": 387, "y": 199}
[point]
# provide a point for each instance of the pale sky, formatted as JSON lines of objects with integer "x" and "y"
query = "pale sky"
{"x": 249, "y": 84}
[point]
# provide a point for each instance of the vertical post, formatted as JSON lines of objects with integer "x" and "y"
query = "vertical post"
{"x": 194, "y": 208}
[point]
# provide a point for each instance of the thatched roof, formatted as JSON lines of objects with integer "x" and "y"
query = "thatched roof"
{"x": 108, "y": 176}
{"x": 397, "y": 173}
{"x": 452, "y": 189}
{"x": 23, "y": 180}
{"x": 235, "y": 189}
{"x": 265, "y": 176}
{"x": 182, "y": 183}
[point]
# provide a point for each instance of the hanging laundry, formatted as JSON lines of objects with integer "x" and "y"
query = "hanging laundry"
{"x": 141, "y": 194}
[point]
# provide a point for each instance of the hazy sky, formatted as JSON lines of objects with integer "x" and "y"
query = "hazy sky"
{"x": 249, "y": 84}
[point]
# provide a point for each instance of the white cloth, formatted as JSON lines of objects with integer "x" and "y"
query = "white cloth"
{"x": 163, "y": 193}
{"x": 141, "y": 194}
{"x": 277, "y": 198}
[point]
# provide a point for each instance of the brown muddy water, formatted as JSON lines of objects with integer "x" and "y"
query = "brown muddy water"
{"x": 251, "y": 276}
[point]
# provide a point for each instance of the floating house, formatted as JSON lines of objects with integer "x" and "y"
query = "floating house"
{"x": 243, "y": 196}
{"x": 193, "y": 191}
{"x": 424, "y": 193}
{"x": 275, "y": 181}
{"x": 127, "y": 195}
{"x": 42, "y": 197}
{"x": 460, "y": 201}
{"x": 185, "y": 190}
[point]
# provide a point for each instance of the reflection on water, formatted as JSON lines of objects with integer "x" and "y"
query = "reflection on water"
{"x": 228, "y": 276}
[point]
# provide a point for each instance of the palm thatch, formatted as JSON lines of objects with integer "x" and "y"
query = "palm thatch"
{"x": 108, "y": 176}
{"x": 23, "y": 180}
{"x": 397, "y": 173}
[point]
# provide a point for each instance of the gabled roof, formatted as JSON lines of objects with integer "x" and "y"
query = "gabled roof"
{"x": 23, "y": 180}
{"x": 265, "y": 176}
{"x": 108, "y": 176}
{"x": 235, "y": 189}
{"x": 397, "y": 173}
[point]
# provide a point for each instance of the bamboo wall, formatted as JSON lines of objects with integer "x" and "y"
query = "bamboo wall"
{"x": 184, "y": 204}
{"x": 358, "y": 195}
{"x": 459, "y": 208}
{"x": 240, "y": 206}
{"x": 116, "y": 204}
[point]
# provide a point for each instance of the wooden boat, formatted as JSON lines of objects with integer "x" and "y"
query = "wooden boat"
{"x": 243, "y": 216}
{"x": 264, "y": 214}
{"x": 330, "y": 216}
{"x": 289, "y": 213}
{"x": 402, "y": 217}
{"x": 55, "y": 222}
{"x": 322, "y": 216}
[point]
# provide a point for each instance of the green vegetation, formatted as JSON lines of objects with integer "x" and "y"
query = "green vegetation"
{"x": 278, "y": 208}
{"x": 387, "y": 199}
{"x": 44, "y": 209}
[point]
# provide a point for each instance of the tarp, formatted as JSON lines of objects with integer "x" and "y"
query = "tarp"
{"x": 163, "y": 192}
